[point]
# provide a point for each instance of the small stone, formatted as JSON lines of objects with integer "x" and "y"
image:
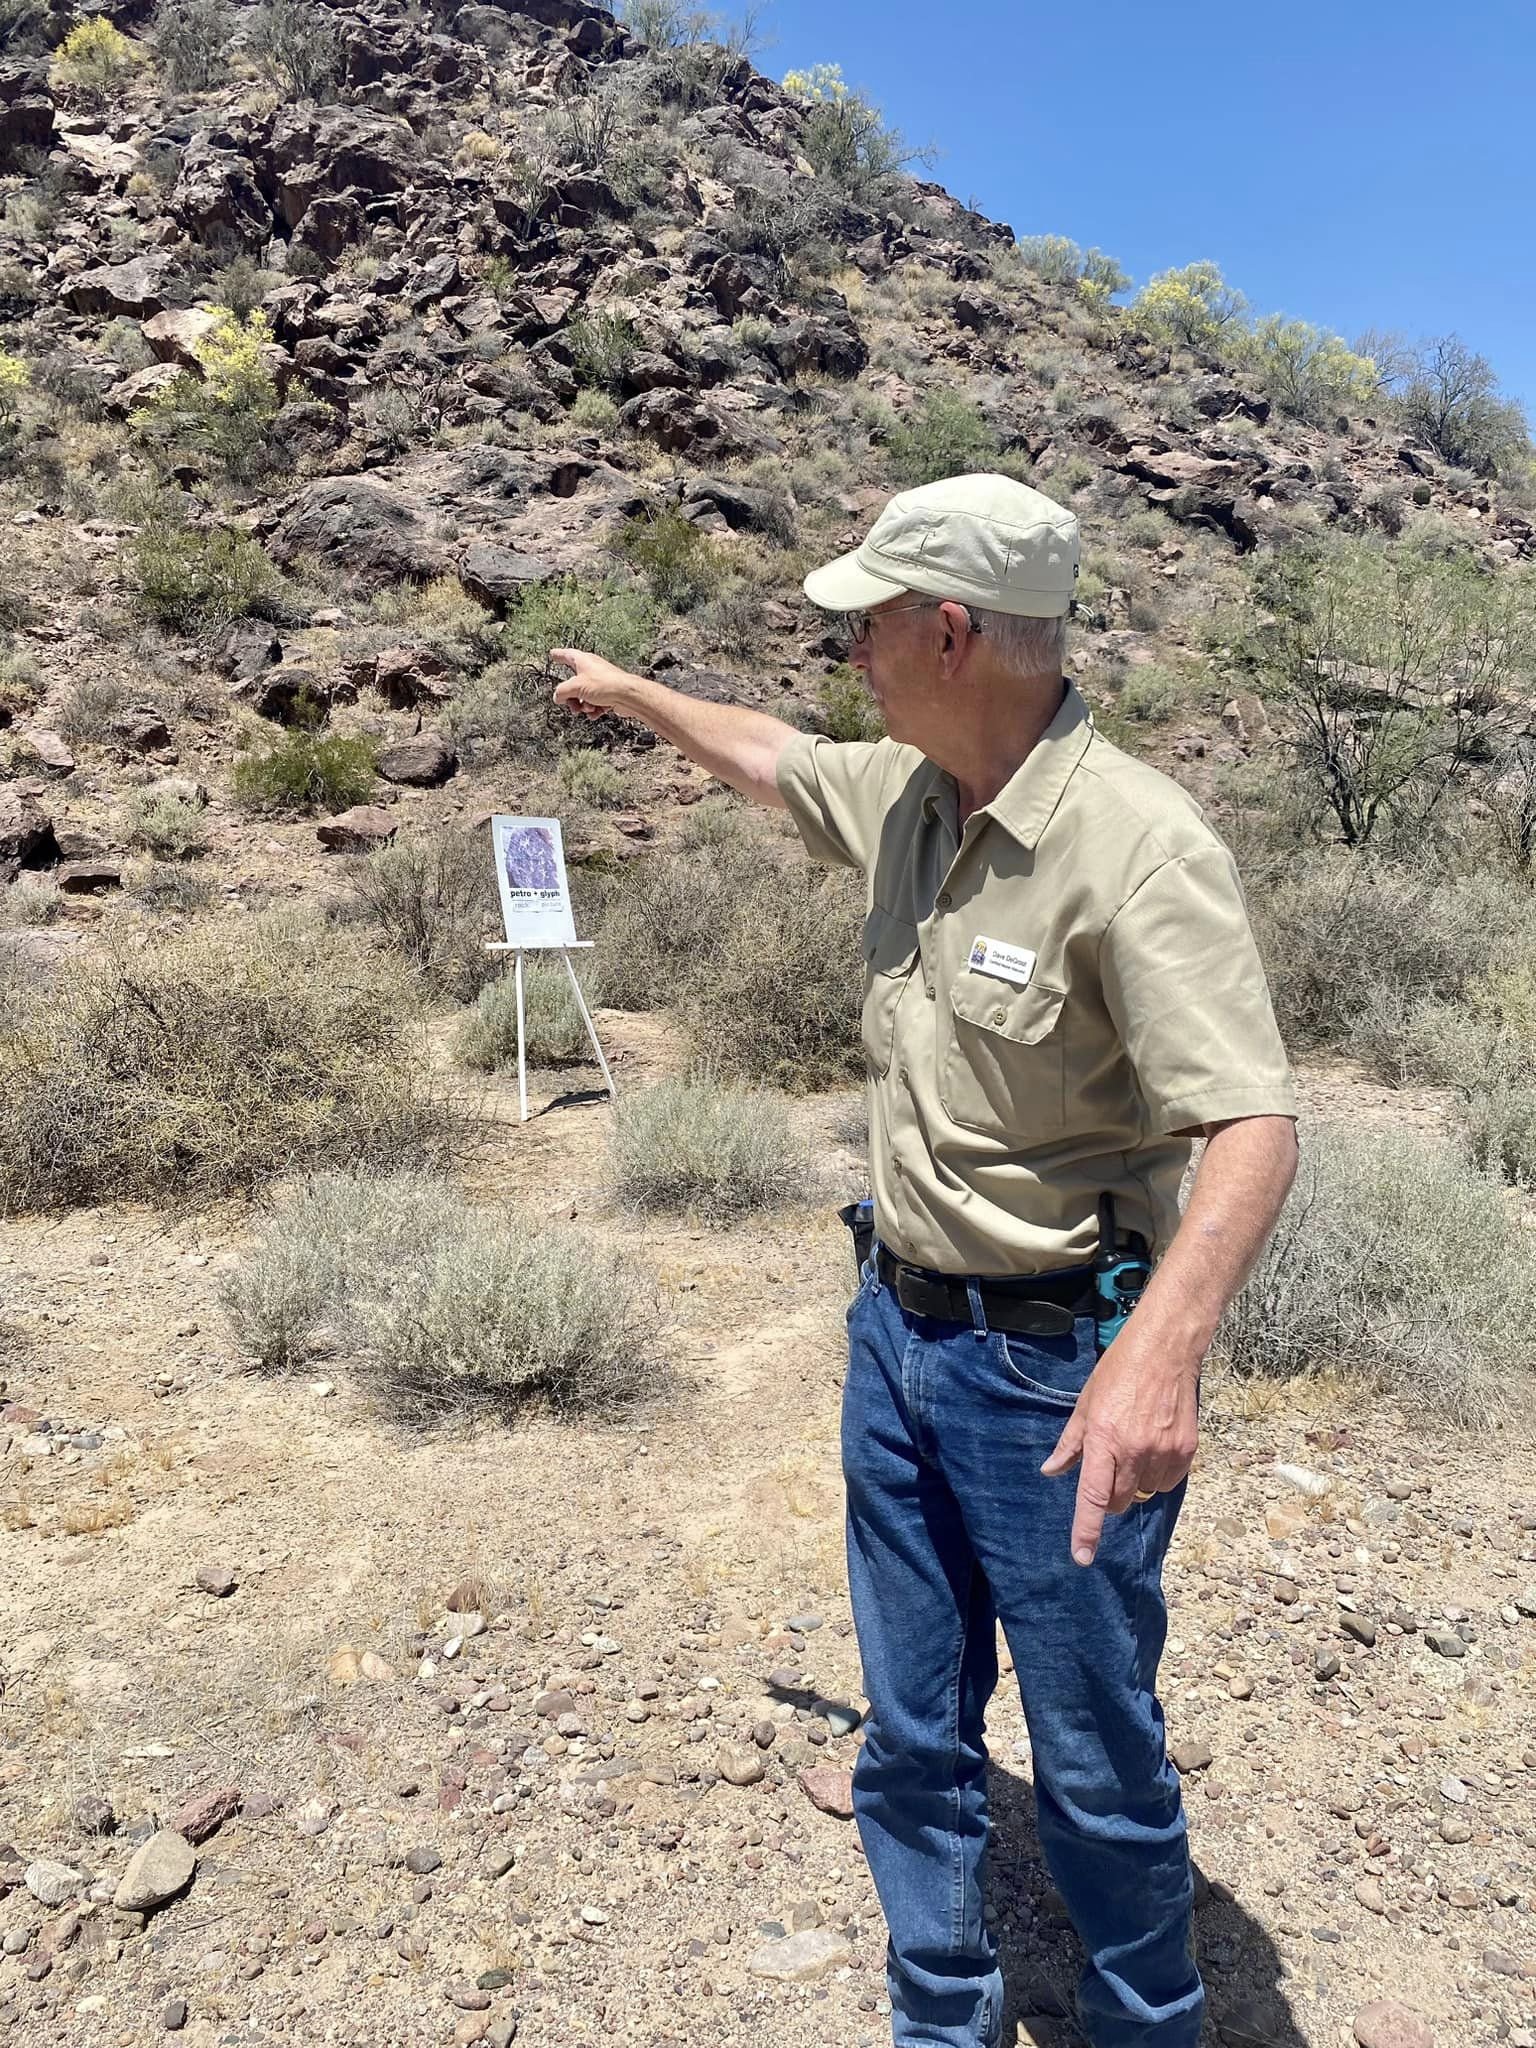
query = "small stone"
{"x": 206, "y": 1812}
{"x": 1368, "y": 1894}
{"x": 740, "y": 1766}
{"x": 499, "y": 1860}
{"x": 1454, "y": 1790}
{"x": 1360, "y": 1626}
{"x": 52, "y": 1884}
{"x": 1286, "y": 1592}
{"x": 803, "y": 1624}
{"x": 314, "y": 1816}
{"x": 469, "y": 1997}
{"x": 423, "y": 1859}
{"x": 829, "y": 1791}
{"x": 216, "y": 1579}
{"x": 1455, "y": 1828}
{"x": 173, "y": 2015}
{"x": 594, "y": 1916}
{"x": 1325, "y": 1665}
{"x": 1386, "y": 2024}
{"x": 764, "y": 1734}
{"x": 156, "y": 1872}
{"x": 94, "y": 1815}
{"x": 1190, "y": 1756}
{"x": 841, "y": 1718}
{"x": 1499, "y": 1962}
{"x": 801, "y": 1958}
{"x": 1240, "y": 1688}
{"x": 1445, "y": 1641}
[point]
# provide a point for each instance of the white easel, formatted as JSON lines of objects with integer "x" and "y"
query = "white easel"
{"x": 539, "y": 914}
{"x": 565, "y": 952}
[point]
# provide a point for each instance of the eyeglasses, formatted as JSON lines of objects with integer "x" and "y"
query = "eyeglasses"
{"x": 857, "y": 624}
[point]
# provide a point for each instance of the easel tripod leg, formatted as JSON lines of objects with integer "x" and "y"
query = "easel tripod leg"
{"x": 522, "y": 1057}
{"x": 581, "y": 1003}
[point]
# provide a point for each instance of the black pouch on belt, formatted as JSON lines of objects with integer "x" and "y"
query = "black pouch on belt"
{"x": 860, "y": 1219}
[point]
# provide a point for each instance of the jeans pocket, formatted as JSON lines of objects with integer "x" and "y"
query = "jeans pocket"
{"x": 1053, "y": 1370}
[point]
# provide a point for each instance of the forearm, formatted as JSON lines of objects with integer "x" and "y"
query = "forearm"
{"x": 740, "y": 746}
{"x": 1240, "y": 1188}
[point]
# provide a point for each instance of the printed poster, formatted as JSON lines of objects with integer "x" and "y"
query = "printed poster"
{"x": 530, "y": 873}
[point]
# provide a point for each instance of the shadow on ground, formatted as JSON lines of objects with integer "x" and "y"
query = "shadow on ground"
{"x": 1042, "y": 1957}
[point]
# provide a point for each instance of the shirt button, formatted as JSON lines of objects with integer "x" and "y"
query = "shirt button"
{"x": 945, "y": 899}
{"x": 999, "y": 1016}
{"x": 929, "y": 993}
{"x": 906, "y": 1079}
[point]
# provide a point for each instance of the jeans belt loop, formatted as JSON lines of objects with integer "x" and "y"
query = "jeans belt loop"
{"x": 978, "y": 1312}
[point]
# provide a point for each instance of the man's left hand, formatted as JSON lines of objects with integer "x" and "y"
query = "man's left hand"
{"x": 1135, "y": 1429}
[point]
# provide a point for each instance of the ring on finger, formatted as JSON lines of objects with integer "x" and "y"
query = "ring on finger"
{"x": 1144, "y": 1496}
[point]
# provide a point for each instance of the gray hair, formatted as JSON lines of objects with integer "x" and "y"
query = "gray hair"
{"x": 1028, "y": 647}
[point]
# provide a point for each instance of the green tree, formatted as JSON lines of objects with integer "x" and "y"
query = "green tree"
{"x": 95, "y": 61}
{"x": 1450, "y": 397}
{"x": 1193, "y": 306}
{"x": 1393, "y": 664}
{"x": 845, "y": 137}
{"x": 1309, "y": 372}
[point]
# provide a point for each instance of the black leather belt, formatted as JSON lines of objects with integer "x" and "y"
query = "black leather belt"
{"x": 1043, "y": 1307}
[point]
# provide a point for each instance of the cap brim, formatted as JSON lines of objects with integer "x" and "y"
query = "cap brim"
{"x": 847, "y": 586}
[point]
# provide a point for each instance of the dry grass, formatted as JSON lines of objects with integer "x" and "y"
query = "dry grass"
{"x": 692, "y": 1144}
{"x": 205, "y": 1065}
{"x": 442, "y": 1309}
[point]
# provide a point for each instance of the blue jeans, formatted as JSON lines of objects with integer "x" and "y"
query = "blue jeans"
{"x": 951, "y": 1528}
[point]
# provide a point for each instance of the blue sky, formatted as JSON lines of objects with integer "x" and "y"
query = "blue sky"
{"x": 1352, "y": 163}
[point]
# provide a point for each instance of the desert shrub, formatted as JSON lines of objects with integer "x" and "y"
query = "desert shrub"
{"x": 942, "y": 435}
{"x": 680, "y": 564}
{"x": 228, "y": 411}
{"x": 603, "y": 618}
{"x": 196, "y": 579}
{"x": 1060, "y": 261}
{"x": 433, "y": 900}
{"x": 440, "y": 1307}
{"x": 440, "y": 615}
{"x": 169, "y": 825}
{"x": 1193, "y": 306}
{"x": 191, "y": 40}
{"x": 21, "y": 687}
{"x": 507, "y": 713}
{"x": 1152, "y": 695}
{"x": 172, "y": 890}
{"x": 844, "y": 708}
{"x": 1401, "y": 1267}
{"x": 1336, "y": 930}
{"x": 698, "y": 1145}
{"x": 554, "y": 1031}
{"x": 594, "y": 411}
{"x": 206, "y": 1064}
{"x": 779, "y": 999}
{"x": 664, "y": 916}
{"x": 14, "y": 379}
{"x": 30, "y": 900}
{"x": 306, "y": 771}
{"x": 845, "y": 137}
{"x": 95, "y": 61}
{"x": 602, "y": 346}
{"x": 732, "y": 618}
{"x": 588, "y": 777}
{"x": 88, "y": 706}
{"x": 297, "y": 46}
{"x": 1148, "y": 529}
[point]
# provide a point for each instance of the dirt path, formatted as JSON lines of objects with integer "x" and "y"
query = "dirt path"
{"x": 1365, "y": 1831}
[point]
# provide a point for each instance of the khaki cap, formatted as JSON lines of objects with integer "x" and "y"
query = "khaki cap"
{"x": 982, "y": 539}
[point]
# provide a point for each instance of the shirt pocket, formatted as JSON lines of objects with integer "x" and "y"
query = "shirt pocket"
{"x": 1004, "y": 1069}
{"x": 890, "y": 947}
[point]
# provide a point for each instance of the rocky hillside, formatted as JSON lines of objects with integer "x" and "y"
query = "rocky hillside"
{"x": 342, "y": 379}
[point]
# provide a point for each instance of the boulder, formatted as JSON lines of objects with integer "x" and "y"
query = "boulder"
{"x": 51, "y": 751}
{"x": 136, "y": 288}
{"x": 26, "y": 113}
{"x": 176, "y": 335}
{"x": 282, "y": 694}
{"x": 493, "y": 574}
{"x": 156, "y": 1872}
{"x": 89, "y": 877}
{"x": 743, "y": 507}
{"x": 140, "y": 728}
{"x": 218, "y": 196}
{"x": 678, "y": 422}
{"x": 359, "y": 830}
{"x": 423, "y": 763}
{"x": 26, "y": 835}
{"x": 317, "y": 150}
{"x": 1384, "y": 2023}
{"x": 364, "y": 527}
{"x": 406, "y": 677}
{"x": 251, "y": 647}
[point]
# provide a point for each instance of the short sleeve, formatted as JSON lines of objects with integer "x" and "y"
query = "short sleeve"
{"x": 1186, "y": 988}
{"x": 836, "y": 795}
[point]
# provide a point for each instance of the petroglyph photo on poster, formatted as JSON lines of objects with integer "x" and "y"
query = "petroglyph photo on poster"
{"x": 530, "y": 874}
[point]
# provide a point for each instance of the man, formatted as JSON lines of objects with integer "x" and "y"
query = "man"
{"x": 1061, "y": 993}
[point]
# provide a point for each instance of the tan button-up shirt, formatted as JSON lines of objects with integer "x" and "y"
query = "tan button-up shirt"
{"x": 1056, "y": 997}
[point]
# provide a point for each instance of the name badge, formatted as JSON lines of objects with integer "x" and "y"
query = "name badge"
{"x": 1008, "y": 963}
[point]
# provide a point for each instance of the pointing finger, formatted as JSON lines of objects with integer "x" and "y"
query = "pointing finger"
{"x": 1095, "y": 1490}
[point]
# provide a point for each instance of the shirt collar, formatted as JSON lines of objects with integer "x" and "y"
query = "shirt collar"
{"x": 1027, "y": 801}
